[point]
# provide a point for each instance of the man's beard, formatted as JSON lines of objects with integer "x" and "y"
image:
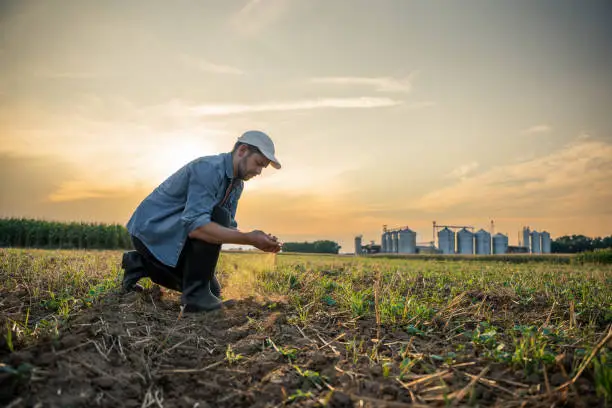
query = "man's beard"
{"x": 241, "y": 174}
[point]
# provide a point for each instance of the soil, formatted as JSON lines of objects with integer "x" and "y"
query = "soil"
{"x": 138, "y": 350}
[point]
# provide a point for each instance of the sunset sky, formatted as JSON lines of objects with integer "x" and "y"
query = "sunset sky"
{"x": 383, "y": 112}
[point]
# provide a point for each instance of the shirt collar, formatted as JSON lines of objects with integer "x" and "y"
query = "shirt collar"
{"x": 229, "y": 165}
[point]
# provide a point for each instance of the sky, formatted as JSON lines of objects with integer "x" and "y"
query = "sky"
{"x": 394, "y": 113}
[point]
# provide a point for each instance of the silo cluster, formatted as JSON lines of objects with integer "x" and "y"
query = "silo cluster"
{"x": 404, "y": 241}
{"x": 469, "y": 243}
{"x": 536, "y": 242}
{"x": 399, "y": 241}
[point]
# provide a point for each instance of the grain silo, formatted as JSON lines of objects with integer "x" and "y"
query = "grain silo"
{"x": 406, "y": 241}
{"x": 526, "y": 238}
{"x": 483, "y": 242}
{"x": 383, "y": 242}
{"x": 465, "y": 242}
{"x": 393, "y": 241}
{"x": 446, "y": 241}
{"x": 358, "y": 249}
{"x": 535, "y": 242}
{"x": 545, "y": 242}
{"x": 500, "y": 244}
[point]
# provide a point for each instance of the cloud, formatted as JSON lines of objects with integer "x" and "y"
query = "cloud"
{"x": 28, "y": 188}
{"x": 574, "y": 180}
{"x": 207, "y": 66}
{"x": 26, "y": 180}
{"x": 464, "y": 170}
{"x": 537, "y": 129}
{"x": 74, "y": 190}
{"x": 381, "y": 84}
{"x": 338, "y": 103}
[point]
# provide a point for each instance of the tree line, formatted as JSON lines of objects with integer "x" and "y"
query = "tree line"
{"x": 579, "y": 243}
{"x": 317, "y": 247}
{"x": 31, "y": 233}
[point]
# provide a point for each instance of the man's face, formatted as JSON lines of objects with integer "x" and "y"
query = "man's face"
{"x": 251, "y": 165}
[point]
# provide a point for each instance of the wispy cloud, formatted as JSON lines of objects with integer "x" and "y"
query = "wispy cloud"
{"x": 464, "y": 170}
{"x": 339, "y": 103}
{"x": 207, "y": 66}
{"x": 80, "y": 190}
{"x": 576, "y": 179}
{"x": 537, "y": 129}
{"x": 381, "y": 84}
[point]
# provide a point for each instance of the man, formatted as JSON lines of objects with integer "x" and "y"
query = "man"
{"x": 178, "y": 229}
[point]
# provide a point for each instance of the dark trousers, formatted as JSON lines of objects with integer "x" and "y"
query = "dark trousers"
{"x": 195, "y": 268}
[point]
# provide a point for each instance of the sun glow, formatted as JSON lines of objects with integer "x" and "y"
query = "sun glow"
{"x": 166, "y": 158}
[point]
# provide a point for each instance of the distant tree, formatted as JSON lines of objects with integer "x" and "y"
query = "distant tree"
{"x": 317, "y": 247}
{"x": 579, "y": 243}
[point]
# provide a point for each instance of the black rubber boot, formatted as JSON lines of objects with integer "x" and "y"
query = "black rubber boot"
{"x": 204, "y": 302}
{"x": 201, "y": 289}
{"x": 215, "y": 287}
{"x": 134, "y": 270}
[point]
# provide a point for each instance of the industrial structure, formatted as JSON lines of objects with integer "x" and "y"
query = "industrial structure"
{"x": 456, "y": 239}
{"x": 536, "y": 242}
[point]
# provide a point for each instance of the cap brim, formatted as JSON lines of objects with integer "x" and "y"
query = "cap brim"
{"x": 273, "y": 160}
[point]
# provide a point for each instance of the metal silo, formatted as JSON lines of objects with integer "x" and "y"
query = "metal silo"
{"x": 500, "y": 244}
{"x": 465, "y": 242}
{"x": 483, "y": 242}
{"x": 535, "y": 242}
{"x": 394, "y": 239}
{"x": 446, "y": 241}
{"x": 383, "y": 242}
{"x": 545, "y": 242}
{"x": 526, "y": 237}
{"x": 407, "y": 241}
{"x": 358, "y": 245}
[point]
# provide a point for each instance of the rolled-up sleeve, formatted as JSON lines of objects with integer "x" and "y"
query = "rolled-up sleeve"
{"x": 203, "y": 187}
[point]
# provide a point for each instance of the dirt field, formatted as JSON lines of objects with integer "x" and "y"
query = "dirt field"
{"x": 137, "y": 350}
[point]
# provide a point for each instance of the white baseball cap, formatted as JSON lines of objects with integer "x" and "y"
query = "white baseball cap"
{"x": 263, "y": 142}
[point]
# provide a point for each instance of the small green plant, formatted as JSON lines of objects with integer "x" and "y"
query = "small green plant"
{"x": 9, "y": 337}
{"x": 313, "y": 377}
{"x": 531, "y": 349}
{"x": 354, "y": 349}
{"x": 386, "y": 369}
{"x": 232, "y": 357}
{"x": 303, "y": 312}
{"x": 299, "y": 394}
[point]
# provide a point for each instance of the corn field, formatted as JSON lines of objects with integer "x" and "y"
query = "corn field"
{"x": 30, "y": 233}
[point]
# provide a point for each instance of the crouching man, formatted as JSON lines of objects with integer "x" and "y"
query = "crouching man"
{"x": 178, "y": 229}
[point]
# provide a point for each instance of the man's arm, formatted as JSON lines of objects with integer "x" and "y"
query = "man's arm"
{"x": 218, "y": 234}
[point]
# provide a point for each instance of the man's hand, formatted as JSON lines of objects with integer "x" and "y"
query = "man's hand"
{"x": 263, "y": 241}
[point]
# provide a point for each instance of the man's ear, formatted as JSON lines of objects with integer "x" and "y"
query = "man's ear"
{"x": 242, "y": 150}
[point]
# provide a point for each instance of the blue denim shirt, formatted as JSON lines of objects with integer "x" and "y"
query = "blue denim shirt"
{"x": 182, "y": 203}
